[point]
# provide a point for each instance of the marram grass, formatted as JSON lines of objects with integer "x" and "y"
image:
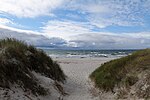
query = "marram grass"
{"x": 18, "y": 60}
{"x": 122, "y": 71}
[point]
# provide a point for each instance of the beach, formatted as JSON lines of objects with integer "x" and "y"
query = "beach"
{"x": 78, "y": 85}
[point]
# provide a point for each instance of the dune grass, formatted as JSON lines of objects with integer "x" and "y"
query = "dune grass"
{"x": 122, "y": 71}
{"x": 18, "y": 60}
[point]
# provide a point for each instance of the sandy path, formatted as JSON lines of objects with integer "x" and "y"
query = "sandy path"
{"x": 78, "y": 71}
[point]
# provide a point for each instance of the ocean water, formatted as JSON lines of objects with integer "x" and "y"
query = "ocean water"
{"x": 87, "y": 53}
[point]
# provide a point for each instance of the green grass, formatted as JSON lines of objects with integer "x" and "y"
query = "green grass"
{"x": 18, "y": 60}
{"x": 121, "y": 71}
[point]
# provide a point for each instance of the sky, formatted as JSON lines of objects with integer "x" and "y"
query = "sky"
{"x": 82, "y": 24}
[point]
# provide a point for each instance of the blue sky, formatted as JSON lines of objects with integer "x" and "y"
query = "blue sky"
{"x": 99, "y": 24}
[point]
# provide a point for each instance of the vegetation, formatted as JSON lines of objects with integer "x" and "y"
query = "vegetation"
{"x": 129, "y": 71}
{"x": 18, "y": 60}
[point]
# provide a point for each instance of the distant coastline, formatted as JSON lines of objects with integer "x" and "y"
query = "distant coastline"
{"x": 59, "y": 53}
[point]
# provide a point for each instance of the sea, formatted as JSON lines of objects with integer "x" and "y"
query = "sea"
{"x": 87, "y": 53}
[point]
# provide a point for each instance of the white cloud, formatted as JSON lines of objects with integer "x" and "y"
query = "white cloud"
{"x": 5, "y": 21}
{"x": 65, "y": 29}
{"x": 29, "y": 8}
{"x": 19, "y": 30}
{"x": 90, "y": 6}
{"x": 8, "y": 23}
{"x": 103, "y": 13}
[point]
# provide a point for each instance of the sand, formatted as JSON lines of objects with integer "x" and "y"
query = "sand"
{"x": 78, "y": 70}
{"x": 78, "y": 85}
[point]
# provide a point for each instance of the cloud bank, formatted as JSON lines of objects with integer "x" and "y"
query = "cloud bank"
{"x": 33, "y": 39}
{"x": 83, "y": 41}
{"x": 112, "y": 41}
